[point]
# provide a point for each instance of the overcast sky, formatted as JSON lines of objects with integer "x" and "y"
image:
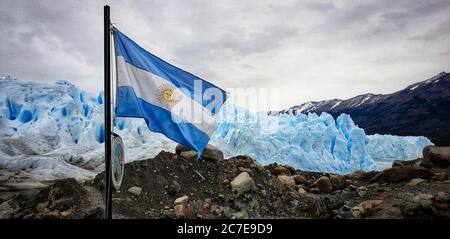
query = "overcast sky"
{"x": 310, "y": 50}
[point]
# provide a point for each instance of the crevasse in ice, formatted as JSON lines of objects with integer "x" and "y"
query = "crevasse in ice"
{"x": 56, "y": 130}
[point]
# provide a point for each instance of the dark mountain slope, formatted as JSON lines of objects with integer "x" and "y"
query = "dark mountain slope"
{"x": 420, "y": 109}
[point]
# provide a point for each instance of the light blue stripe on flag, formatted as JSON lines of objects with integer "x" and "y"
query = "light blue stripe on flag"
{"x": 140, "y": 58}
{"x": 143, "y": 81}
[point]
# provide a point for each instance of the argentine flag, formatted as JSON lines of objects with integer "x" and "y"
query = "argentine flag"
{"x": 172, "y": 101}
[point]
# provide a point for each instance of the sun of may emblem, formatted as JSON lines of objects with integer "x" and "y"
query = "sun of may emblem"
{"x": 168, "y": 95}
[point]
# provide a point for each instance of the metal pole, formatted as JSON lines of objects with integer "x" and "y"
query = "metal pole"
{"x": 107, "y": 104}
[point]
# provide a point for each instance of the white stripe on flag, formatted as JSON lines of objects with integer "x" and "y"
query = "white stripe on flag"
{"x": 146, "y": 85}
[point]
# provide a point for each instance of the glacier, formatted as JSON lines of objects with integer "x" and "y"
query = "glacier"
{"x": 56, "y": 130}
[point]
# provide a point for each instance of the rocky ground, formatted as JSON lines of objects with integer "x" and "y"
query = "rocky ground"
{"x": 178, "y": 186}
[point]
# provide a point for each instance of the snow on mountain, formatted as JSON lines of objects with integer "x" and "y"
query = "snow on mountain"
{"x": 434, "y": 79}
{"x": 56, "y": 131}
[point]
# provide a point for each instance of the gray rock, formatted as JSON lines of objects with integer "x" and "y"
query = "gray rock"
{"x": 135, "y": 191}
{"x": 281, "y": 170}
{"x": 242, "y": 169}
{"x": 174, "y": 188}
{"x": 6, "y": 210}
{"x": 439, "y": 156}
{"x": 67, "y": 214}
{"x": 181, "y": 200}
{"x": 190, "y": 155}
{"x": 338, "y": 181}
{"x": 364, "y": 208}
{"x": 361, "y": 191}
{"x": 181, "y": 148}
{"x": 324, "y": 184}
{"x": 181, "y": 211}
{"x": 240, "y": 215}
{"x": 283, "y": 180}
{"x": 299, "y": 179}
{"x": 415, "y": 181}
{"x": 401, "y": 173}
{"x": 212, "y": 153}
{"x": 243, "y": 183}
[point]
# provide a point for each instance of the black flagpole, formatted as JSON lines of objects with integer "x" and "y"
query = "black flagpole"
{"x": 107, "y": 92}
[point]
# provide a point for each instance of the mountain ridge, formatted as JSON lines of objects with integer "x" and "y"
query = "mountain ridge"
{"x": 418, "y": 109}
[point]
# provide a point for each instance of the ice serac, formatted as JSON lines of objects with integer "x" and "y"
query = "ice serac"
{"x": 56, "y": 131}
{"x": 384, "y": 149}
{"x": 307, "y": 142}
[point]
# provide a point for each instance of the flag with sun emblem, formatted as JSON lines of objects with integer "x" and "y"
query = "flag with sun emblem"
{"x": 172, "y": 101}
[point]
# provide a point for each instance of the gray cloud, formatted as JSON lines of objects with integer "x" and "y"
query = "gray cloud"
{"x": 310, "y": 50}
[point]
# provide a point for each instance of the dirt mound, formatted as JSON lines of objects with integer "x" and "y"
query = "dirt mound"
{"x": 178, "y": 186}
{"x": 63, "y": 199}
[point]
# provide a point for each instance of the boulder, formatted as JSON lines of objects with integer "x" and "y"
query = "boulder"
{"x": 361, "y": 191}
{"x": 181, "y": 148}
{"x": 212, "y": 154}
{"x": 280, "y": 170}
{"x": 401, "y": 173}
{"x": 181, "y": 200}
{"x": 338, "y": 182}
{"x": 291, "y": 169}
{"x": 324, "y": 184}
{"x": 365, "y": 208}
{"x": 399, "y": 163}
{"x": 174, "y": 188}
{"x": 6, "y": 210}
{"x": 181, "y": 211}
{"x": 243, "y": 183}
{"x": 415, "y": 181}
{"x": 438, "y": 156}
{"x": 299, "y": 179}
{"x": 244, "y": 169}
{"x": 135, "y": 191}
{"x": 67, "y": 214}
{"x": 282, "y": 181}
{"x": 189, "y": 155}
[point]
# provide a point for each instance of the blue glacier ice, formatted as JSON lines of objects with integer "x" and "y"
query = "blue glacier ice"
{"x": 308, "y": 142}
{"x": 384, "y": 149}
{"x": 56, "y": 131}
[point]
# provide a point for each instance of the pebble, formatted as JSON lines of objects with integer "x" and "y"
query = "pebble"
{"x": 182, "y": 200}
{"x": 361, "y": 191}
{"x": 135, "y": 191}
{"x": 174, "y": 188}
